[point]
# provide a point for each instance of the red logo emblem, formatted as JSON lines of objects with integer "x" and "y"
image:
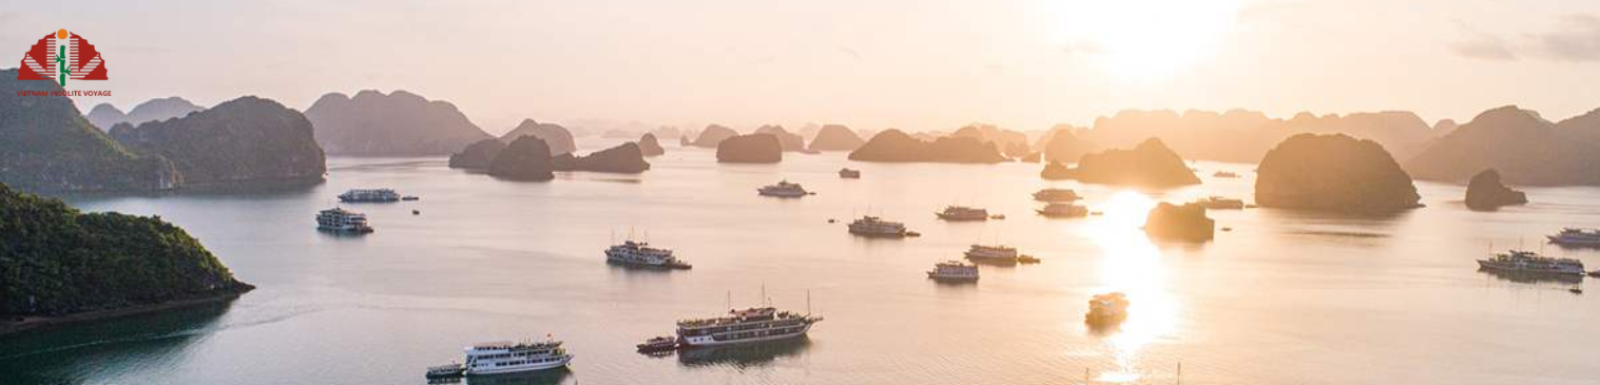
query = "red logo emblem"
{"x": 61, "y": 56}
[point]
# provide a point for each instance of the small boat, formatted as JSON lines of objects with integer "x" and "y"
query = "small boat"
{"x": 381, "y": 195}
{"x": 1225, "y": 174}
{"x": 658, "y": 344}
{"x": 452, "y": 370}
{"x": 1575, "y": 237}
{"x": 1595, "y": 274}
{"x": 1107, "y": 310}
{"x": 849, "y": 174}
{"x": 416, "y": 212}
{"x": 410, "y": 198}
{"x": 341, "y": 221}
{"x": 784, "y": 189}
{"x": 1576, "y": 290}
{"x": 1027, "y": 259}
{"x": 963, "y": 213}
{"x": 997, "y": 216}
{"x": 1063, "y": 210}
{"x": 954, "y": 271}
{"x": 1221, "y": 203}
{"x": 1056, "y": 195}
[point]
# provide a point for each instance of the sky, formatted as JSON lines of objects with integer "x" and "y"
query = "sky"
{"x": 915, "y": 64}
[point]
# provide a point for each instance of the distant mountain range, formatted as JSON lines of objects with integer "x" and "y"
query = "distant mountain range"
{"x": 397, "y": 124}
{"x": 106, "y": 115}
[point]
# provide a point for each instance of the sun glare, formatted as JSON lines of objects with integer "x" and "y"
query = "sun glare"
{"x": 1133, "y": 265}
{"x": 1144, "y": 39}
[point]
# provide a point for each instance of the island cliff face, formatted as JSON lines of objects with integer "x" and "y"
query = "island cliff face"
{"x": 789, "y": 142}
{"x": 834, "y": 137}
{"x": 713, "y": 135}
{"x": 1185, "y": 223}
{"x": 1485, "y": 193}
{"x": 105, "y": 115}
{"x": 248, "y": 140}
{"x": 1525, "y": 148}
{"x": 649, "y": 146}
{"x": 1151, "y": 164}
{"x": 896, "y": 146}
{"x": 753, "y": 148}
{"x": 478, "y": 155}
{"x": 527, "y": 158}
{"x": 557, "y": 137}
{"x": 47, "y": 146}
{"x": 397, "y": 124}
{"x": 1333, "y": 173}
{"x": 1060, "y": 145}
{"x": 59, "y": 261}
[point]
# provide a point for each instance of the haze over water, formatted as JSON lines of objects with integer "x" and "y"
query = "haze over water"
{"x": 1285, "y": 297}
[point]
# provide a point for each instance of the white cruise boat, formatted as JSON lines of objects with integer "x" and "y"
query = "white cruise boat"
{"x": 1528, "y": 262}
{"x": 1107, "y": 310}
{"x": 1056, "y": 195}
{"x": 1221, "y": 203}
{"x": 640, "y": 254}
{"x": 1063, "y": 210}
{"x": 954, "y": 271}
{"x": 509, "y": 357}
{"x": 373, "y": 195}
{"x": 745, "y": 326}
{"x": 338, "y": 220}
{"x": 996, "y": 253}
{"x": 871, "y": 226}
{"x": 784, "y": 189}
{"x": 1576, "y": 237}
{"x": 963, "y": 213}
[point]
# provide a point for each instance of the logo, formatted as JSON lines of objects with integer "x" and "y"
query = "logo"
{"x": 60, "y": 56}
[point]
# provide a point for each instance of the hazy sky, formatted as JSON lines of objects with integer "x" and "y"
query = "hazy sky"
{"x": 919, "y": 65}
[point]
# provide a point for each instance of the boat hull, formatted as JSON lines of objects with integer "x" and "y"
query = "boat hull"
{"x": 1486, "y": 265}
{"x": 1572, "y": 242}
{"x": 959, "y": 218}
{"x": 521, "y": 368}
{"x": 707, "y": 340}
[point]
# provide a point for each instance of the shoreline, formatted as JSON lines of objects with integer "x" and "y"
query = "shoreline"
{"x": 10, "y": 328}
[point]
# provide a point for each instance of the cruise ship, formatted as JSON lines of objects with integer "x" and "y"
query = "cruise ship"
{"x": 954, "y": 271}
{"x": 1063, "y": 210}
{"x": 1576, "y": 237}
{"x": 784, "y": 189}
{"x": 338, "y": 220}
{"x": 375, "y": 195}
{"x": 996, "y": 253}
{"x": 870, "y": 226}
{"x": 1056, "y": 195}
{"x": 1107, "y": 310}
{"x": 962, "y": 213}
{"x": 1528, "y": 262}
{"x": 745, "y": 326}
{"x": 640, "y": 254}
{"x": 508, "y": 357}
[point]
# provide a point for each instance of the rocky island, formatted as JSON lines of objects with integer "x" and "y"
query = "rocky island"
{"x": 1151, "y": 164}
{"x": 1184, "y": 223}
{"x": 478, "y": 155}
{"x": 1525, "y": 148}
{"x": 397, "y": 124}
{"x": 896, "y": 146}
{"x": 788, "y": 141}
{"x": 63, "y": 266}
{"x": 626, "y": 158}
{"x": 835, "y": 137}
{"x": 713, "y": 135}
{"x": 245, "y": 141}
{"x": 557, "y": 137}
{"x": 753, "y": 148}
{"x": 47, "y": 146}
{"x": 106, "y": 115}
{"x": 1333, "y": 173}
{"x": 527, "y": 158}
{"x": 1485, "y": 193}
{"x": 649, "y": 146}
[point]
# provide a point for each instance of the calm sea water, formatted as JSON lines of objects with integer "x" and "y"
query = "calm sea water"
{"x": 1283, "y": 298}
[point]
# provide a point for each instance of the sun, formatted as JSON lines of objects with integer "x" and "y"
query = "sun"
{"x": 1144, "y": 38}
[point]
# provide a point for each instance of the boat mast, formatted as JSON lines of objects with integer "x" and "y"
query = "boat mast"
{"x": 808, "y": 302}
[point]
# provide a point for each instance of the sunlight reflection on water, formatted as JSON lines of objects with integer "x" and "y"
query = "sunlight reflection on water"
{"x": 1131, "y": 264}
